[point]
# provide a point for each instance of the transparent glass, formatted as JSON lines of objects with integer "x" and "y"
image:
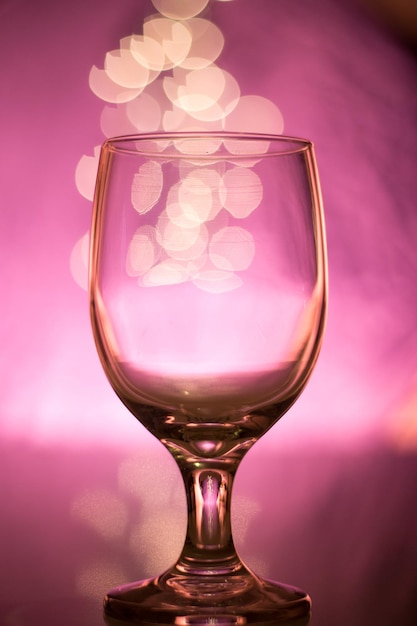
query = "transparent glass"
{"x": 208, "y": 303}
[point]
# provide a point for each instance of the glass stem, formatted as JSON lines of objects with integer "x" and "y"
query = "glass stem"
{"x": 209, "y": 547}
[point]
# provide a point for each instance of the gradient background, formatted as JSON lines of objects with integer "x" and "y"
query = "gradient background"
{"x": 327, "y": 500}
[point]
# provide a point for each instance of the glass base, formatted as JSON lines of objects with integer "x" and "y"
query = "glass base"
{"x": 207, "y": 600}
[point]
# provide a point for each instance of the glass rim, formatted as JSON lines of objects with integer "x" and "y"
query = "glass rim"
{"x": 289, "y": 144}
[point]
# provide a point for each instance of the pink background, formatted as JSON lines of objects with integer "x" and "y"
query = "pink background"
{"x": 327, "y": 500}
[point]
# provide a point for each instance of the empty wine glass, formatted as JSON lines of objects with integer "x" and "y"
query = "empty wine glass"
{"x": 208, "y": 298}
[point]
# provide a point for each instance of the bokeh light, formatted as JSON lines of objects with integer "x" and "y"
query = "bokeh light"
{"x": 103, "y": 511}
{"x": 143, "y": 251}
{"x": 232, "y": 248}
{"x": 86, "y": 172}
{"x": 257, "y": 114}
{"x": 145, "y": 196}
{"x": 173, "y": 36}
{"x": 234, "y": 181}
{"x": 79, "y": 261}
{"x": 105, "y": 88}
{"x": 197, "y": 94}
{"x": 180, "y": 9}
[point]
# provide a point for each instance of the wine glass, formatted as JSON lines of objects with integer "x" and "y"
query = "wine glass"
{"x": 208, "y": 292}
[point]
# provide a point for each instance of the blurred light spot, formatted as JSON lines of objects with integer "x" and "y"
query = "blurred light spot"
{"x": 79, "y": 261}
{"x": 255, "y": 114}
{"x": 178, "y": 216}
{"x": 205, "y": 145}
{"x": 178, "y": 119}
{"x": 99, "y": 576}
{"x": 123, "y": 69}
{"x": 211, "y": 180}
{"x": 232, "y": 248}
{"x": 402, "y": 428}
{"x": 184, "y": 216}
{"x": 217, "y": 281}
{"x": 165, "y": 273}
{"x": 143, "y": 251}
{"x": 147, "y": 186}
{"x": 241, "y": 191}
{"x": 197, "y": 90}
{"x": 202, "y": 97}
{"x": 180, "y": 9}
{"x": 158, "y": 539}
{"x": 105, "y": 89}
{"x": 154, "y": 486}
{"x": 195, "y": 198}
{"x": 225, "y": 103}
{"x": 176, "y": 212}
{"x": 114, "y": 121}
{"x": 174, "y": 237}
{"x": 192, "y": 239}
{"x": 246, "y": 511}
{"x": 201, "y": 89}
{"x": 174, "y": 37}
{"x": 144, "y": 113}
{"x": 102, "y": 511}
{"x": 147, "y": 51}
{"x": 207, "y": 42}
{"x": 86, "y": 173}
{"x": 195, "y": 251}
{"x": 208, "y": 94}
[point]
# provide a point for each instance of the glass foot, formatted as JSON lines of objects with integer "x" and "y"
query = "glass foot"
{"x": 202, "y": 601}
